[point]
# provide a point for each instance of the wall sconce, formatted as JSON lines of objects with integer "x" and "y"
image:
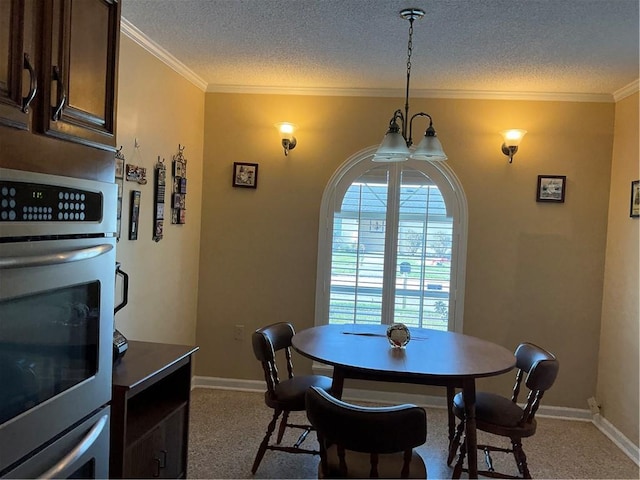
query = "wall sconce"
{"x": 286, "y": 134}
{"x": 512, "y": 139}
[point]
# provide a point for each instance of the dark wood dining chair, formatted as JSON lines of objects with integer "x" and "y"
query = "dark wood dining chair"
{"x": 503, "y": 416}
{"x": 282, "y": 395}
{"x": 367, "y": 442}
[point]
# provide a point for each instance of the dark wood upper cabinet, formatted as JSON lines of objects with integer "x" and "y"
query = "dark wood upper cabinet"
{"x": 79, "y": 71}
{"x": 18, "y": 82}
{"x": 58, "y": 68}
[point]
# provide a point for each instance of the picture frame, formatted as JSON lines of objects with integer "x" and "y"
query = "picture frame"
{"x": 119, "y": 166}
{"x": 634, "y": 207}
{"x": 136, "y": 174}
{"x": 245, "y": 175}
{"x": 551, "y": 188}
{"x": 178, "y": 168}
{"x": 134, "y": 214}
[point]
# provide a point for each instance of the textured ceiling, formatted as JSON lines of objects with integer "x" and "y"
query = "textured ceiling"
{"x": 535, "y": 46}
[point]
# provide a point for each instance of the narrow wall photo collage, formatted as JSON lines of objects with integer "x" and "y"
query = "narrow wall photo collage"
{"x": 136, "y": 173}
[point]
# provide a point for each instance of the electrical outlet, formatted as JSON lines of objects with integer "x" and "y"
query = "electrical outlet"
{"x": 593, "y": 405}
{"x": 238, "y": 332}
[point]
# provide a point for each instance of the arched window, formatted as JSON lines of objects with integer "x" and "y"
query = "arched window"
{"x": 392, "y": 245}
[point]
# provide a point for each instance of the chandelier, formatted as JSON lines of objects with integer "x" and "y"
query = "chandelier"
{"x": 395, "y": 144}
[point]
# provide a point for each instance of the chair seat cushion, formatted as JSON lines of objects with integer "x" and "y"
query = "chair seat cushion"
{"x": 289, "y": 394}
{"x": 496, "y": 414}
{"x": 359, "y": 465}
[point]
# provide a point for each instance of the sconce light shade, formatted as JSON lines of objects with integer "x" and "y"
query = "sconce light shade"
{"x": 512, "y": 139}
{"x": 286, "y": 130}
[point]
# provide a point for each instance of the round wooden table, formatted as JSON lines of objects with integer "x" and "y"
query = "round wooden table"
{"x": 432, "y": 357}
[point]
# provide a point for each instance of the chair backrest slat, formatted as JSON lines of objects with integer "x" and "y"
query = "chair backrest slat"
{"x": 287, "y": 354}
{"x": 516, "y": 387}
{"x": 406, "y": 463}
{"x": 373, "y": 460}
{"x": 343, "y": 460}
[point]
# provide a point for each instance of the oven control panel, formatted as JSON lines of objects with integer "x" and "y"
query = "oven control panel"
{"x": 33, "y": 202}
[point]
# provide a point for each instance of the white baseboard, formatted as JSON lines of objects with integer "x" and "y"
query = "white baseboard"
{"x": 396, "y": 398}
{"x": 622, "y": 442}
{"x": 228, "y": 384}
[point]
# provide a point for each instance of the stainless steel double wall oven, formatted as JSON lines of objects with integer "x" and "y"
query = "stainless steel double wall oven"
{"x": 57, "y": 281}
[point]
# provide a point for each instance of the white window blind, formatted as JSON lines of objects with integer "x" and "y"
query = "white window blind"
{"x": 391, "y": 250}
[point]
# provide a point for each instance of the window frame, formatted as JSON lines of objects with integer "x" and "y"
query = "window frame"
{"x": 456, "y": 204}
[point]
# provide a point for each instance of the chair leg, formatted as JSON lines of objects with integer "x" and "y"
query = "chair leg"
{"x": 265, "y": 441}
{"x": 283, "y": 426}
{"x": 451, "y": 418}
{"x": 521, "y": 459}
{"x": 457, "y": 470}
{"x": 455, "y": 443}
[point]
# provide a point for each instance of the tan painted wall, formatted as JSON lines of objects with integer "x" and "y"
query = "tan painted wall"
{"x": 161, "y": 109}
{"x": 618, "y": 389}
{"x": 534, "y": 271}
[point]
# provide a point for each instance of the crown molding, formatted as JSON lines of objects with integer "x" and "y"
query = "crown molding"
{"x": 416, "y": 93}
{"x": 627, "y": 90}
{"x": 131, "y": 31}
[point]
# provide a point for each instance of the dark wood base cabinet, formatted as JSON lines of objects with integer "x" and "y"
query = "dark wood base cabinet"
{"x": 150, "y": 411}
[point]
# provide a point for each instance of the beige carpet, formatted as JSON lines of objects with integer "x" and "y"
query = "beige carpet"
{"x": 227, "y": 426}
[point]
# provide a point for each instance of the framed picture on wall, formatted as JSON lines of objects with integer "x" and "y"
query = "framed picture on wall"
{"x": 245, "y": 175}
{"x": 634, "y": 210}
{"x": 551, "y": 188}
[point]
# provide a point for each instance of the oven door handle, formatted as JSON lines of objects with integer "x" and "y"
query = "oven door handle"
{"x": 78, "y": 450}
{"x": 54, "y": 258}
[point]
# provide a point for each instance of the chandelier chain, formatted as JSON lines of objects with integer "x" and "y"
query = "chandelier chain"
{"x": 410, "y": 46}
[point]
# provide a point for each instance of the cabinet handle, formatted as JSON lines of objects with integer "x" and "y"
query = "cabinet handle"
{"x": 57, "y": 76}
{"x": 163, "y": 462}
{"x": 33, "y": 84}
{"x": 157, "y": 472}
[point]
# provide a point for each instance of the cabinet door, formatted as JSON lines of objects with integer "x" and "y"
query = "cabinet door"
{"x": 174, "y": 445}
{"x": 18, "y": 82}
{"x": 143, "y": 459}
{"x": 81, "y": 74}
{"x": 162, "y": 452}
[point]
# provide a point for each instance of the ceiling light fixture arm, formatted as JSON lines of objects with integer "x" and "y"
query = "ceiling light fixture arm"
{"x": 430, "y": 132}
{"x": 393, "y": 123}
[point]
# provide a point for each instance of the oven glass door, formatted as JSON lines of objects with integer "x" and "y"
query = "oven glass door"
{"x": 56, "y": 306}
{"x": 49, "y": 344}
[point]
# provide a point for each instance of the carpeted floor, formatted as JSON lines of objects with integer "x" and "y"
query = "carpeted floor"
{"x": 226, "y": 428}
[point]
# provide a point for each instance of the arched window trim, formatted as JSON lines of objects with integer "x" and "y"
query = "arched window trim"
{"x": 456, "y": 203}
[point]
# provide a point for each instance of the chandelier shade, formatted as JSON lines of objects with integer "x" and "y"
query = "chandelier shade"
{"x": 393, "y": 147}
{"x": 429, "y": 149}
